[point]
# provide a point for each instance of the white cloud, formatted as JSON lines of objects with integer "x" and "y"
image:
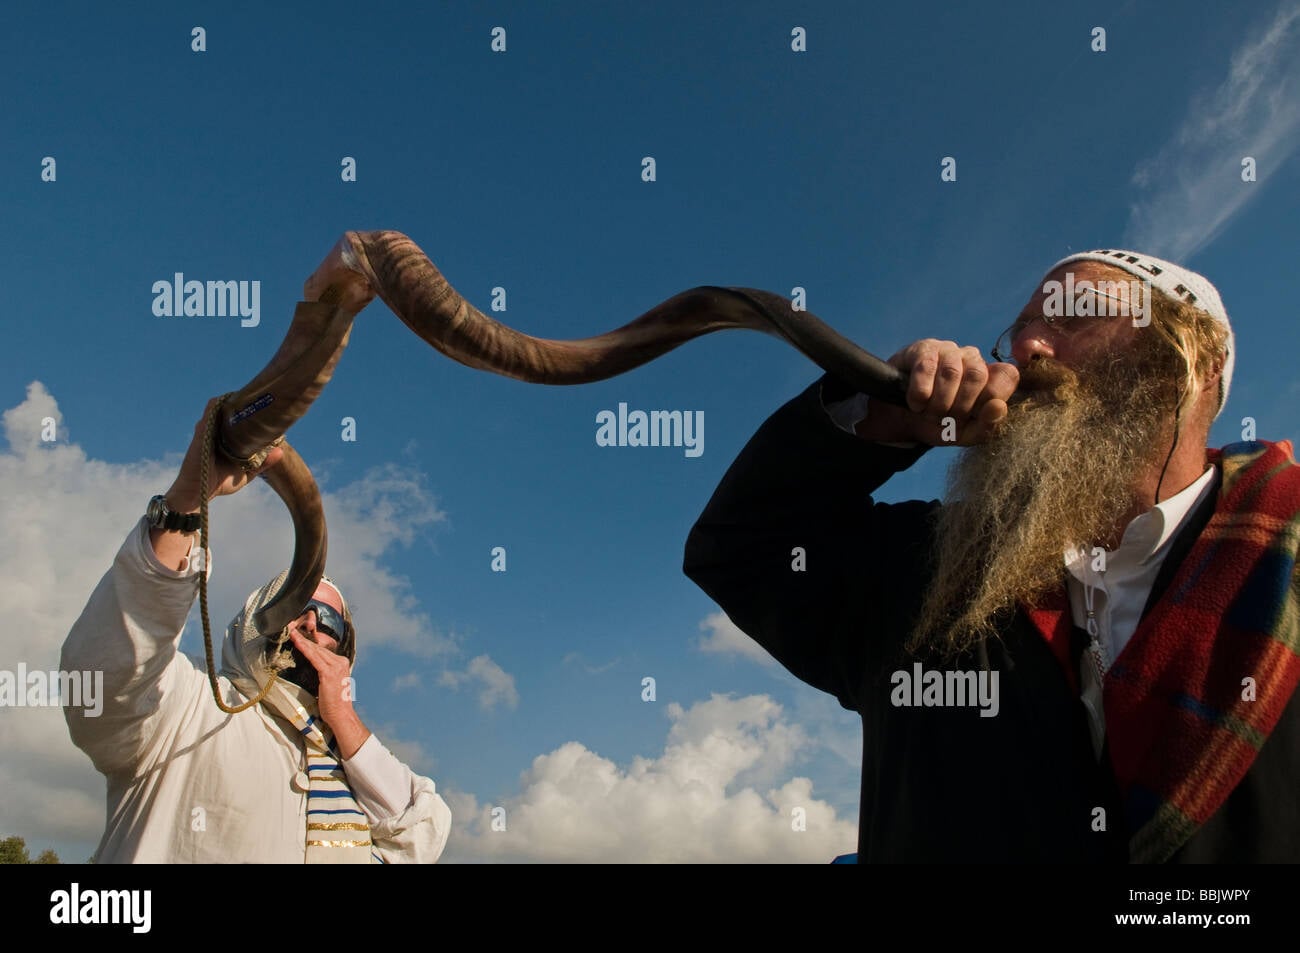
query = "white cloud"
{"x": 721, "y": 791}
{"x": 725, "y": 638}
{"x": 1194, "y": 181}
{"x": 366, "y": 518}
{"x": 496, "y": 685}
{"x": 64, "y": 518}
{"x": 409, "y": 680}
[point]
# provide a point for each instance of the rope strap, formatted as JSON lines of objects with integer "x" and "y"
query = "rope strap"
{"x": 205, "y": 463}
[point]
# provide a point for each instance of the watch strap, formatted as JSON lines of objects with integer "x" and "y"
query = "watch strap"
{"x": 162, "y": 517}
{"x": 184, "y": 522}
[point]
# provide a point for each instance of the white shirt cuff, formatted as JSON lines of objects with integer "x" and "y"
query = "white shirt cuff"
{"x": 847, "y": 414}
{"x": 145, "y": 552}
{"x": 381, "y": 783}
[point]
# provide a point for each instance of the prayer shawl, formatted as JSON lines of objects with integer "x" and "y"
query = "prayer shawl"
{"x": 337, "y": 831}
{"x": 1194, "y": 695}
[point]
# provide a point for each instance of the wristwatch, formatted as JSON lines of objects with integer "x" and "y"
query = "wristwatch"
{"x": 160, "y": 517}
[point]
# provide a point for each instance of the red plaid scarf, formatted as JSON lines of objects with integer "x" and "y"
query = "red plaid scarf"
{"x": 1183, "y": 723}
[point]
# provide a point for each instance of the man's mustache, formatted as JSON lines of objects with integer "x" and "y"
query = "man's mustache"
{"x": 1045, "y": 379}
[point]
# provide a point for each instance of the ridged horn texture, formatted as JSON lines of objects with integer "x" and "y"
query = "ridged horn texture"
{"x": 389, "y": 264}
{"x": 416, "y": 291}
{"x": 254, "y": 418}
{"x": 293, "y": 483}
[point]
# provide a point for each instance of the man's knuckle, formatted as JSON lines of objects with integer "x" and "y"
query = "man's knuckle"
{"x": 950, "y": 371}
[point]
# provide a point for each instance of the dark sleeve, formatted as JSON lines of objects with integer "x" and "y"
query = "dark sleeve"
{"x": 803, "y": 482}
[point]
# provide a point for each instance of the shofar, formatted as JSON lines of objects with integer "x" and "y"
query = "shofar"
{"x": 390, "y": 265}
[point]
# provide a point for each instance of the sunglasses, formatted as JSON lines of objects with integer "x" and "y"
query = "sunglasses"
{"x": 328, "y": 620}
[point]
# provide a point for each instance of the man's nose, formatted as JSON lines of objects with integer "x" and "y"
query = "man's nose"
{"x": 1036, "y": 338}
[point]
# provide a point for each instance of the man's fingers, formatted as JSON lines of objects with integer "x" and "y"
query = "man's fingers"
{"x": 946, "y": 380}
{"x": 321, "y": 657}
{"x": 974, "y": 381}
{"x": 920, "y": 382}
{"x": 310, "y": 650}
{"x": 921, "y": 360}
{"x": 949, "y": 372}
{"x": 272, "y": 459}
{"x": 986, "y": 420}
{"x": 1003, "y": 380}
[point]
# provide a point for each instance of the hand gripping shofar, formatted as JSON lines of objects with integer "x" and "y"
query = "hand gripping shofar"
{"x": 390, "y": 265}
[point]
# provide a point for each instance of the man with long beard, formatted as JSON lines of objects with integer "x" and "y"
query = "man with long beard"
{"x": 1088, "y": 651}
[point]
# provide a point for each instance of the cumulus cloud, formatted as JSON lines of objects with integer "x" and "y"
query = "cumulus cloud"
{"x": 496, "y": 686}
{"x": 1193, "y": 184}
{"x": 721, "y": 791}
{"x": 64, "y": 518}
{"x": 366, "y": 518}
{"x": 725, "y": 638}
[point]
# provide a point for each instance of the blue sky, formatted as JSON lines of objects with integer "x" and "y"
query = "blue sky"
{"x": 522, "y": 169}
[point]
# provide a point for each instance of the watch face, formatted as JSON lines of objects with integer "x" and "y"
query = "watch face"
{"x": 155, "y": 511}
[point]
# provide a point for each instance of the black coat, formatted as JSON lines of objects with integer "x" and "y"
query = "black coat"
{"x": 938, "y": 783}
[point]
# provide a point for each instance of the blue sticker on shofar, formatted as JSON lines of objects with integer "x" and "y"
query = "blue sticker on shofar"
{"x": 252, "y": 408}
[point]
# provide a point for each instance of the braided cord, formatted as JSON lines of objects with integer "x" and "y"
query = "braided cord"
{"x": 205, "y": 463}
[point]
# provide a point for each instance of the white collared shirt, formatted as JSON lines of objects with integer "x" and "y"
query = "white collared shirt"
{"x": 1118, "y": 594}
{"x": 166, "y": 750}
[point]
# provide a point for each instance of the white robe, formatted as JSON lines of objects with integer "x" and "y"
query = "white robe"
{"x": 188, "y": 783}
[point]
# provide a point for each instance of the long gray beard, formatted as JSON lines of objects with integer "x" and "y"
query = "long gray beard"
{"x": 1061, "y": 471}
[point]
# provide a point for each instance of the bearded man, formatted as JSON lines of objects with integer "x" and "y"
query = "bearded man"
{"x": 1088, "y": 651}
{"x": 296, "y": 777}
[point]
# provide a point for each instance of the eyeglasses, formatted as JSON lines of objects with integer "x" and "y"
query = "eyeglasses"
{"x": 328, "y": 620}
{"x": 1002, "y": 347}
{"x": 1064, "y": 323}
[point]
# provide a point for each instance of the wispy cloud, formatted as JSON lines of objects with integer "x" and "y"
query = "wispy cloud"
{"x": 1192, "y": 187}
{"x": 409, "y": 680}
{"x": 578, "y": 660}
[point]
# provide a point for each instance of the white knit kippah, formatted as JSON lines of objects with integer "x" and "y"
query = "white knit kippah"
{"x": 1178, "y": 283}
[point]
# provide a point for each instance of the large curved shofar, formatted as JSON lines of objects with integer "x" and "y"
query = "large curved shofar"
{"x": 402, "y": 275}
{"x": 389, "y": 264}
{"x": 255, "y": 418}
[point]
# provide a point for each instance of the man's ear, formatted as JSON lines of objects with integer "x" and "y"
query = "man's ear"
{"x": 1213, "y": 381}
{"x": 1216, "y": 369}
{"x": 1207, "y": 403}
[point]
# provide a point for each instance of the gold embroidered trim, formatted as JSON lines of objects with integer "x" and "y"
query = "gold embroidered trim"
{"x": 338, "y": 843}
{"x": 340, "y": 826}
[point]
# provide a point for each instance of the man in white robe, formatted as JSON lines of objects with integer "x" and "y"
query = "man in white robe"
{"x": 297, "y": 778}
